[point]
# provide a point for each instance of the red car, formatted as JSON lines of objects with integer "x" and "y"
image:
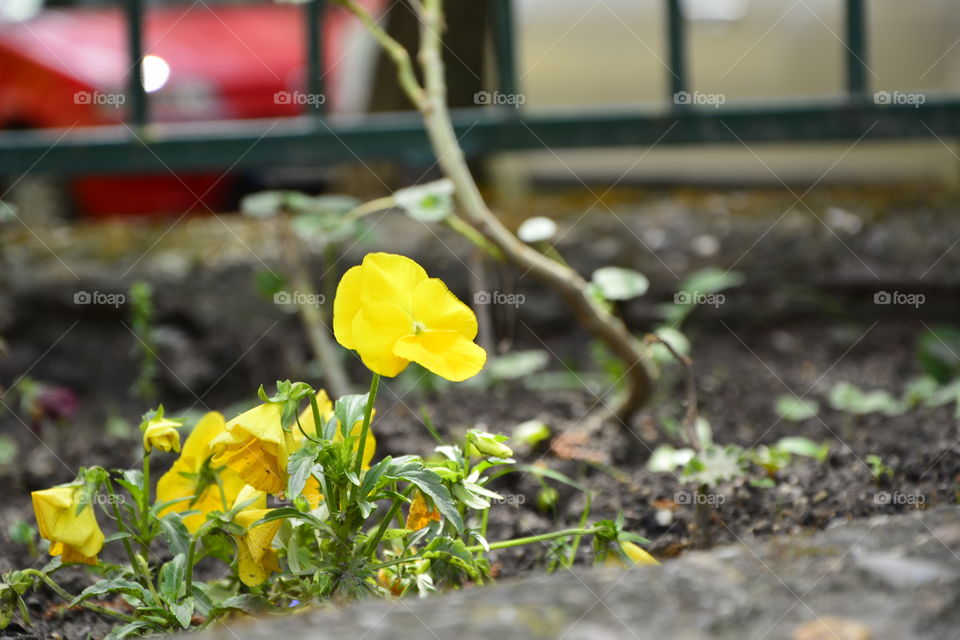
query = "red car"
{"x": 67, "y": 68}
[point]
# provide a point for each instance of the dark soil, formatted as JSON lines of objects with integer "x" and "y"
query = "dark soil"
{"x": 740, "y": 370}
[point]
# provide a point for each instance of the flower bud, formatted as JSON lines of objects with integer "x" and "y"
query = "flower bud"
{"x": 488, "y": 444}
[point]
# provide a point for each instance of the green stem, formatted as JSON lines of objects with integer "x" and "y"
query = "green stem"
{"x": 123, "y": 528}
{"x": 60, "y": 591}
{"x": 367, "y": 416}
{"x": 371, "y": 547}
{"x": 145, "y": 505}
{"x": 191, "y": 550}
{"x": 543, "y": 537}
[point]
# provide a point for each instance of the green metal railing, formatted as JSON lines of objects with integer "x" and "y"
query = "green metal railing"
{"x": 318, "y": 139}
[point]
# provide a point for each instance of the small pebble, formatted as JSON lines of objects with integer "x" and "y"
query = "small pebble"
{"x": 832, "y": 628}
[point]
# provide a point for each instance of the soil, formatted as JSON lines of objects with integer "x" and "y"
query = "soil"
{"x": 739, "y": 372}
{"x": 745, "y": 356}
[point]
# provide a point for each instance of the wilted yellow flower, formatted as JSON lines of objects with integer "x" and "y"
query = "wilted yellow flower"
{"x": 193, "y": 474}
{"x": 256, "y": 558}
{"x": 636, "y": 554}
{"x": 162, "y": 434}
{"x": 420, "y": 515}
{"x": 257, "y": 447}
{"x": 75, "y": 537}
{"x": 391, "y": 313}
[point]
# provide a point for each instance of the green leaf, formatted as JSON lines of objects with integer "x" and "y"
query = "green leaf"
{"x": 537, "y": 229}
{"x": 795, "y": 409}
{"x": 113, "y": 585}
{"x": 850, "y": 398}
{"x": 299, "y": 467}
{"x": 531, "y": 433}
{"x": 666, "y": 459}
{"x": 175, "y": 533}
{"x": 183, "y": 612}
{"x": 715, "y": 464}
{"x": 127, "y": 630}
{"x": 712, "y": 280}
{"x": 517, "y": 364}
{"x": 430, "y": 202}
{"x": 430, "y": 484}
{"x": 372, "y": 477}
{"x": 349, "y": 410}
{"x": 289, "y": 512}
{"x": 615, "y": 283}
{"x": 806, "y": 447}
{"x": 938, "y": 350}
{"x": 172, "y": 578}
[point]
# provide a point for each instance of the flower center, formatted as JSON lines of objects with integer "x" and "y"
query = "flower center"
{"x": 418, "y": 327}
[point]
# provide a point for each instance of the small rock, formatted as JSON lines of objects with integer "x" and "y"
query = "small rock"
{"x": 899, "y": 571}
{"x": 705, "y": 245}
{"x": 842, "y": 220}
{"x": 832, "y": 628}
{"x": 664, "y": 517}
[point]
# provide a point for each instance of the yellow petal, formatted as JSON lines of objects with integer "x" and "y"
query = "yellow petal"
{"x": 163, "y": 435}
{"x": 262, "y": 422}
{"x": 197, "y": 444}
{"x": 71, "y": 533}
{"x": 376, "y": 330}
{"x": 346, "y": 304}
{"x": 391, "y": 278}
{"x": 257, "y": 463}
{"x": 255, "y": 556}
{"x": 437, "y": 309}
{"x": 420, "y": 515}
{"x": 637, "y": 554}
{"x": 446, "y": 353}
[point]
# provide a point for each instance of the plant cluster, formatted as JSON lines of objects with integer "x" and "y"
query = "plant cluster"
{"x": 285, "y": 504}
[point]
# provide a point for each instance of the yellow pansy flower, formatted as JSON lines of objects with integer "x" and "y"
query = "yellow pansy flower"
{"x": 636, "y": 554}
{"x": 161, "y": 433}
{"x": 75, "y": 537}
{"x": 193, "y": 475}
{"x": 256, "y": 558}
{"x": 257, "y": 447}
{"x": 391, "y": 313}
{"x": 420, "y": 515}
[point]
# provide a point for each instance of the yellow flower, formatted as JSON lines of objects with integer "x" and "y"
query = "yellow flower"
{"x": 75, "y": 537}
{"x": 636, "y": 554}
{"x": 391, "y": 313}
{"x": 420, "y": 515}
{"x": 162, "y": 434}
{"x": 257, "y": 447}
{"x": 193, "y": 475}
{"x": 256, "y": 558}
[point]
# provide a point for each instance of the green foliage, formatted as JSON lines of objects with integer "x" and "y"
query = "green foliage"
{"x": 794, "y": 409}
{"x": 937, "y": 351}
{"x": 141, "y": 323}
{"x": 616, "y": 283}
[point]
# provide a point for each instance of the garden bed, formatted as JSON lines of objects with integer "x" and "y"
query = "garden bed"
{"x": 760, "y": 345}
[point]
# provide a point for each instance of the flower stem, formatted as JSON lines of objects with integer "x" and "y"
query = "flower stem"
{"x": 114, "y": 500}
{"x": 543, "y": 537}
{"x": 191, "y": 550}
{"x": 60, "y": 591}
{"x": 145, "y": 505}
{"x": 367, "y": 416}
